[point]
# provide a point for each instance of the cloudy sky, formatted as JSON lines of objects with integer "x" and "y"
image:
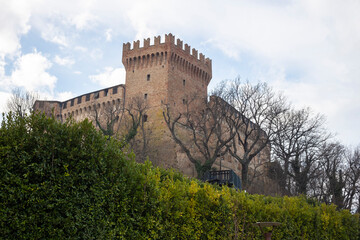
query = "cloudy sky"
{"x": 309, "y": 50}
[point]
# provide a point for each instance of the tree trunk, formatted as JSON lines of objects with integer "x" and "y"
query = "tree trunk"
{"x": 244, "y": 175}
{"x": 202, "y": 169}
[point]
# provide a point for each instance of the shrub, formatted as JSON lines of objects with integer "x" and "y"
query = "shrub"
{"x": 66, "y": 180}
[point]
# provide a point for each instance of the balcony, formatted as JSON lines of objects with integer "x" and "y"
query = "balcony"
{"x": 223, "y": 177}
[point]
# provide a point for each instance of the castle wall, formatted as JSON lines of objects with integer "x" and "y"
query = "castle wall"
{"x": 49, "y": 108}
{"x": 82, "y": 106}
{"x": 163, "y": 73}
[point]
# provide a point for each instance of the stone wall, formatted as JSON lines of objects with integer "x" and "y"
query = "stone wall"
{"x": 82, "y": 106}
{"x": 163, "y": 73}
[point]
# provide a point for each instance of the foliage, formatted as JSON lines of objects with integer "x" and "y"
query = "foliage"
{"x": 69, "y": 181}
{"x": 54, "y": 178}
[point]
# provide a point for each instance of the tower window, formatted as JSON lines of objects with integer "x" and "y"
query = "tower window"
{"x": 145, "y": 96}
{"x": 148, "y": 77}
{"x": 183, "y": 82}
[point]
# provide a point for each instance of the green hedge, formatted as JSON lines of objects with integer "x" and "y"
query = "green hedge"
{"x": 67, "y": 181}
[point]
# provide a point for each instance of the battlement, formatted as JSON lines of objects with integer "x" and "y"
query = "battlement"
{"x": 169, "y": 43}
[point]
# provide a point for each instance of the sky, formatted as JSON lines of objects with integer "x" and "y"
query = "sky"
{"x": 308, "y": 50}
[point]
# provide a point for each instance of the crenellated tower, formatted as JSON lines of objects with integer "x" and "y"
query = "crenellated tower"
{"x": 165, "y": 72}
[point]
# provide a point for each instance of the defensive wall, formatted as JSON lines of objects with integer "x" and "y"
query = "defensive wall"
{"x": 161, "y": 73}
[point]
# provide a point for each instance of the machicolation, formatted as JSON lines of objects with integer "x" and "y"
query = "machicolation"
{"x": 165, "y": 73}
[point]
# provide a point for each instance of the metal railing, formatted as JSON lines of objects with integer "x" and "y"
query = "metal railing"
{"x": 223, "y": 177}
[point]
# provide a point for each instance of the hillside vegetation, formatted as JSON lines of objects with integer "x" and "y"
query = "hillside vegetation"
{"x": 68, "y": 181}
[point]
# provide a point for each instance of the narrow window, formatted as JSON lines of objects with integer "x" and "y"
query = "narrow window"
{"x": 64, "y": 106}
{"x": 72, "y": 102}
{"x": 148, "y": 77}
{"x": 145, "y": 118}
{"x": 96, "y": 95}
{"x": 145, "y": 96}
{"x": 115, "y": 90}
{"x": 79, "y": 100}
{"x": 183, "y": 82}
{"x": 88, "y": 97}
{"x": 106, "y": 92}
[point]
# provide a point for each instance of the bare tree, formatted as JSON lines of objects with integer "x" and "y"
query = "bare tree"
{"x": 296, "y": 145}
{"x": 339, "y": 182}
{"x": 258, "y": 108}
{"x": 21, "y": 102}
{"x": 108, "y": 117}
{"x": 136, "y": 110}
{"x": 203, "y": 130}
{"x": 332, "y": 158}
{"x": 352, "y": 179}
{"x": 122, "y": 119}
{"x": 137, "y": 120}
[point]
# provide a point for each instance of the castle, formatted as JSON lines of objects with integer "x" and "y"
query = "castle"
{"x": 163, "y": 73}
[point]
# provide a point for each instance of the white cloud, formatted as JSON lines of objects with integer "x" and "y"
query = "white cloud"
{"x": 110, "y": 76}
{"x": 54, "y": 34}
{"x": 84, "y": 20}
{"x": 96, "y": 54}
{"x": 62, "y": 96}
{"x": 80, "y": 49}
{"x": 108, "y": 35}
{"x": 4, "y": 97}
{"x": 14, "y": 17}
{"x": 66, "y": 61}
{"x": 30, "y": 72}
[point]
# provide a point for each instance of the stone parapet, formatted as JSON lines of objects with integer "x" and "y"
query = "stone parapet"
{"x": 168, "y": 52}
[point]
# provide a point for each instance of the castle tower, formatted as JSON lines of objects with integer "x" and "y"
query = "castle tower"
{"x": 165, "y": 72}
